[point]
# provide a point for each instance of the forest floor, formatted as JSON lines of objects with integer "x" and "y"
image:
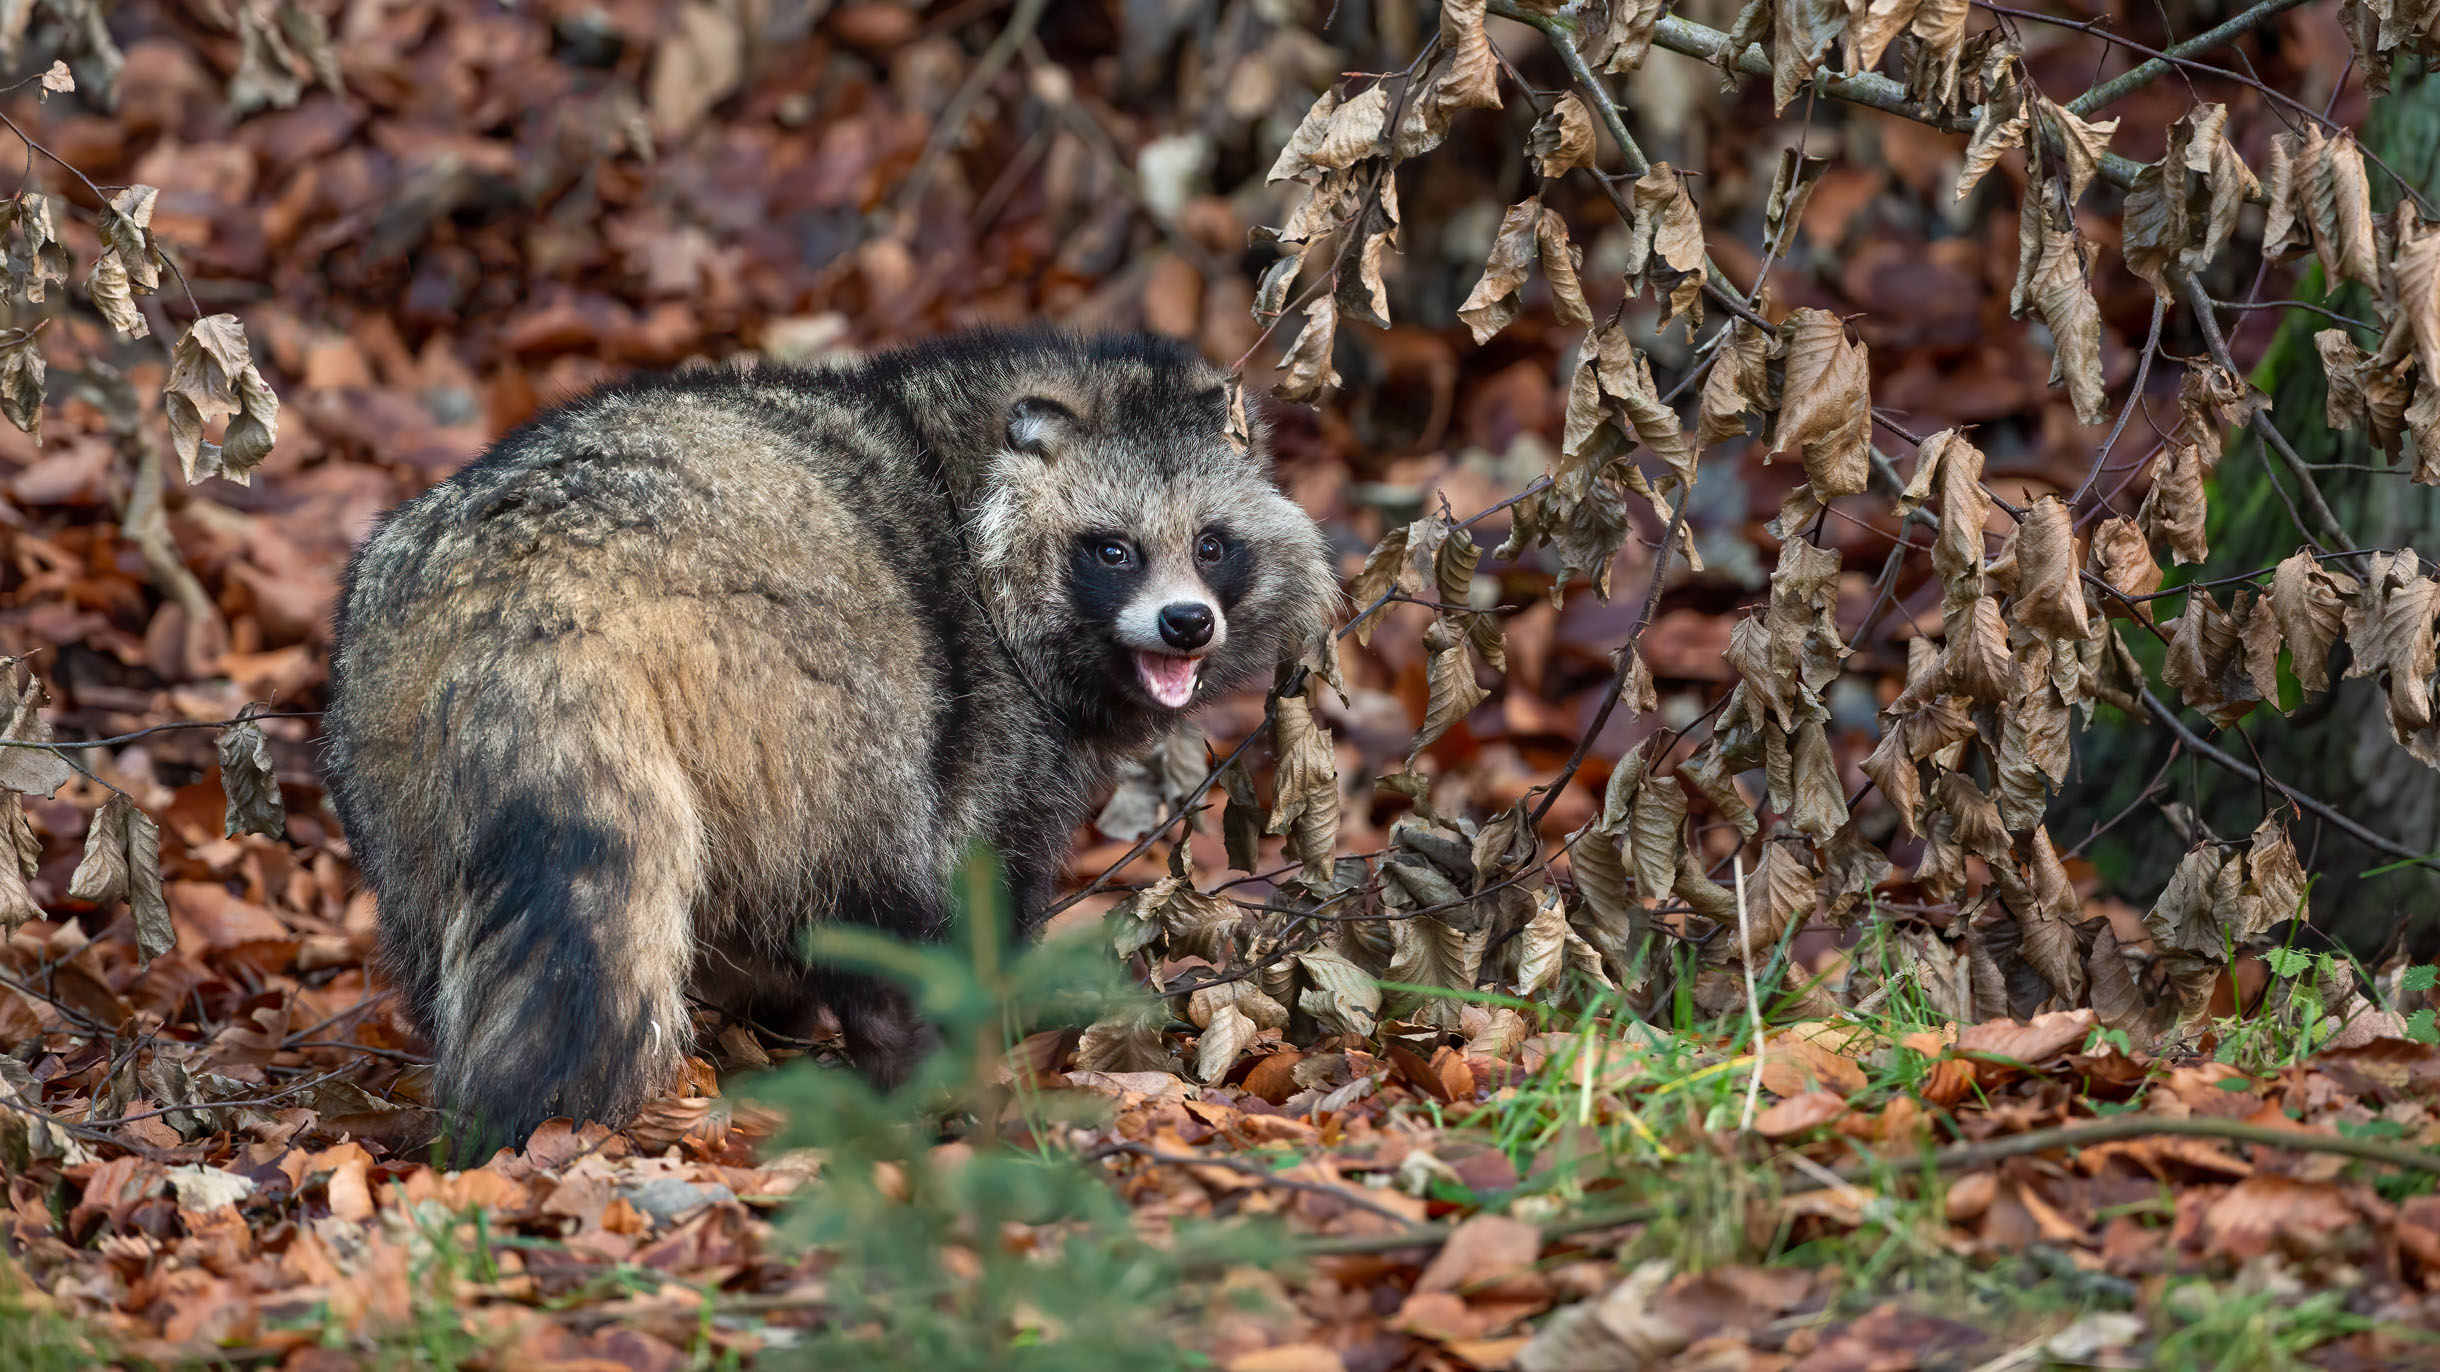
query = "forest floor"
{"x": 1519, "y": 1191}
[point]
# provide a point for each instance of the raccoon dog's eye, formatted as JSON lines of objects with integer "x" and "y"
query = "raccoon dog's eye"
{"x": 1113, "y": 553}
{"x": 1210, "y": 548}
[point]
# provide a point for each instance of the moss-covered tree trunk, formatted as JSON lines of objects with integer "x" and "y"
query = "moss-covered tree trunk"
{"x": 2337, "y": 748}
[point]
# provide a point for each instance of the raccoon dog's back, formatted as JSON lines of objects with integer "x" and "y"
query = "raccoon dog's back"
{"x": 691, "y": 663}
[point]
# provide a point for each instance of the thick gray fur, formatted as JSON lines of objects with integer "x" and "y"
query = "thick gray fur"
{"x": 693, "y": 663}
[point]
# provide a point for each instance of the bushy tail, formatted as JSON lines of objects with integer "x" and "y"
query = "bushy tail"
{"x": 561, "y": 989}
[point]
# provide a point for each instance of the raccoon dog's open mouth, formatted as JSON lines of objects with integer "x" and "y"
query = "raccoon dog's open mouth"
{"x": 1168, "y": 678}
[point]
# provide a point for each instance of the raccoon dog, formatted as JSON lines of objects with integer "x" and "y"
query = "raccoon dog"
{"x": 693, "y": 663}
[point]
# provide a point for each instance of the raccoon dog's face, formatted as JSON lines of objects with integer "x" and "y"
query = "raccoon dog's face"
{"x": 1151, "y": 564}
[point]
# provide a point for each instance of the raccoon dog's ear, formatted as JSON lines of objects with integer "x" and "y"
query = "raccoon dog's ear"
{"x": 1034, "y": 421}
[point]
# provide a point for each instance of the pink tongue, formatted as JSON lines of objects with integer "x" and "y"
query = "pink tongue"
{"x": 1171, "y": 680}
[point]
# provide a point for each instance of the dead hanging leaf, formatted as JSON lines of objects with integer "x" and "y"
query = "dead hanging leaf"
{"x": 1950, "y": 466}
{"x": 1472, "y": 78}
{"x": 212, "y": 374}
{"x": 1354, "y": 132}
{"x": 2059, "y": 292}
{"x": 1937, "y": 39}
{"x": 1453, "y": 690}
{"x": 1802, "y": 32}
{"x": 1453, "y": 575}
{"x": 1362, "y": 294}
{"x": 1625, "y": 376}
{"x": 1665, "y": 246}
{"x": 1821, "y": 804}
{"x": 1307, "y": 362}
{"x": 2258, "y": 644}
{"x": 1871, "y": 26}
{"x": 29, "y": 771}
{"x": 1560, "y": 260}
{"x": 1341, "y": 996}
{"x": 21, "y": 383}
{"x": 1130, "y": 1041}
{"x": 1791, "y": 186}
{"x": 1387, "y": 570}
{"x": 1825, "y": 403}
{"x": 1709, "y": 774}
{"x": 36, "y": 259}
{"x": 1438, "y": 955}
{"x": 2046, "y": 922}
{"x": 2081, "y": 145}
{"x": 2416, "y": 269}
{"x": 123, "y": 860}
{"x": 1976, "y": 662}
{"x": 1540, "y": 947}
{"x": 1657, "y": 819}
{"x": 2338, "y": 201}
{"x": 2001, "y": 124}
{"x": 1223, "y": 1040}
{"x": 2285, "y": 231}
{"x": 1205, "y": 1005}
{"x": 2049, "y": 597}
{"x": 1295, "y": 160}
{"x": 2033, "y": 752}
{"x": 2123, "y": 558}
{"x": 1494, "y": 301}
{"x": 2181, "y": 209}
{"x": 130, "y": 263}
{"x": 2389, "y": 626}
{"x": 1779, "y": 893}
{"x": 1622, "y": 35}
{"x": 2203, "y": 665}
{"x": 2363, "y": 394}
{"x": 2173, "y": 510}
{"x": 2309, "y": 602}
{"x": 1305, "y": 786}
{"x": 1739, "y": 383}
{"x": 1562, "y": 139}
{"x": 247, "y": 780}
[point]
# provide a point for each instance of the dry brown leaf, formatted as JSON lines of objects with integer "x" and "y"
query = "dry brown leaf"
{"x": 1976, "y": 662}
{"x": 1295, "y": 160}
{"x": 1739, "y": 383}
{"x": 1802, "y": 32}
{"x": 2001, "y": 124}
{"x": 2203, "y": 665}
{"x": 1825, "y": 404}
{"x": 1708, "y": 773}
{"x": 2181, "y": 209}
{"x": 1354, "y": 132}
{"x": 1560, "y": 260}
{"x": 1938, "y": 42}
{"x": 211, "y": 374}
{"x": 1872, "y": 25}
{"x": 2286, "y": 231}
{"x": 2173, "y": 510}
{"x": 1562, "y": 139}
{"x": 2081, "y": 144}
{"x": 2049, "y": 597}
{"x": 2309, "y": 601}
{"x": 1655, "y": 823}
{"x": 1305, "y": 786}
{"x": 2364, "y": 394}
{"x": 1307, "y": 361}
{"x": 1472, "y": 78}
{"x": 1665, "y": 245}
{"x": 2122, "y": 557}
{"x": 1454, "y": 691}
{"x": 2389, "y": 625}
{"x": 2060, "y": 293}
{"x": 1625, "y": 374}
{"x": 2338, "y": 201}
{"x": 1494, "y": 301}
{"x": 1821, "y": 804}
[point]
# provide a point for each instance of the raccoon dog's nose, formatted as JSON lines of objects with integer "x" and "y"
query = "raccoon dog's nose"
{"x": 1186, "y": 625}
